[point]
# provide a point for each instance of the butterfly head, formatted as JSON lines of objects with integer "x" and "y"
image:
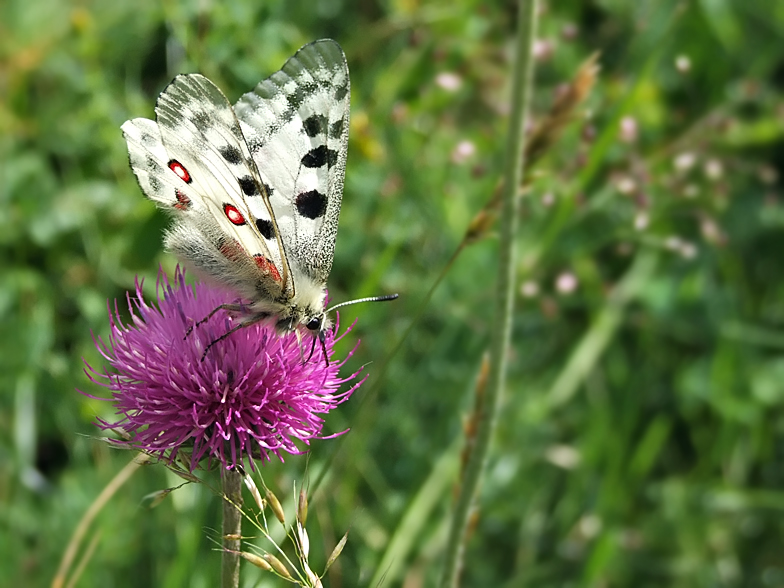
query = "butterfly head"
{"x": 317, "y": 325}
{"x": 304, "y": 320}
{"x": 314, "y": 319}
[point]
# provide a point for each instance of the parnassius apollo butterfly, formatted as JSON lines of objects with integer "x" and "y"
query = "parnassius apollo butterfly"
{"x": 254, "y": 189}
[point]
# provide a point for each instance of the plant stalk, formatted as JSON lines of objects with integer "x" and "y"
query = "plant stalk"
{"x": 232, "y": 528}
{"x": 502, "y": 328}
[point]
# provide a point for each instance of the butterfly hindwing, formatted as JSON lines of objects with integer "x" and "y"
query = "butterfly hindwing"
{"x": 296, "y": 124}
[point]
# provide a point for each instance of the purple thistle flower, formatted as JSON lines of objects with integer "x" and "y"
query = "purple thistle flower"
{"x": 253, "y": 394}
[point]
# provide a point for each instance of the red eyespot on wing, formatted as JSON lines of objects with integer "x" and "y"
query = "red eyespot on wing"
{"x": 232, "y": 250}
{"x": 234, "y": 215}
{"x": 267, "y": 266}
{"x": 180, "y": 170}
{"x": 183, "y": 202}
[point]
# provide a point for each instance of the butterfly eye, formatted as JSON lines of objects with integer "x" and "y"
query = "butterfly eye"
{"x": 314, "y": 324}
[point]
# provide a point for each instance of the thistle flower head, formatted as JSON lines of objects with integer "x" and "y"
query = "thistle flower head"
{"x": 253, "y": 395}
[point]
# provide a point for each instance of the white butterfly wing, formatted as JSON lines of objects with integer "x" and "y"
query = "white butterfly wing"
{"x": 195, "y": 162}
{"x": 296, "y": 124}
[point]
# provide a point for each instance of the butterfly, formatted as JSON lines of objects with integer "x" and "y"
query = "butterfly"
{"x": 254, "y": 189}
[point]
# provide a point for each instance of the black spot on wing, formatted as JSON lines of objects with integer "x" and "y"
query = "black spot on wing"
{"x": 230, "y": 153}
{"x": 265, "y": 228}
{"x": 311, "y": 204}
{"x": 256, "y": 143}
{"x": 201, "y": 118}
{"x": 301, "y": 93}
{"x": 336, "y": 129}
{"x": 316, "y": 157}
{"x": 297, "y": 97}
{"x": 285, "y": 117}
{"x": 314, "y": 125}
{"x": 341, "y": 92}
{"x": 248, "y": 186}
{"x": 320, "y": 156}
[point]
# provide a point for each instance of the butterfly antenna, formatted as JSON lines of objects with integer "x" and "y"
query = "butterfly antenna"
{"x": 368, "y": 299}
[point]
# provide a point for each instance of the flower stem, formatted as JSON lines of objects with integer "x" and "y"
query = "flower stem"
{"x": 232, "y": 527}
{"x": 502, "y": 328}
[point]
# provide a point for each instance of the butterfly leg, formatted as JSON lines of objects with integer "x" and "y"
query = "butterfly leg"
{"x": 322, "y": 337}
{"x": 312, "y": 348}
{"x": 229, "y": 307}
{"x": 252, "y": 320}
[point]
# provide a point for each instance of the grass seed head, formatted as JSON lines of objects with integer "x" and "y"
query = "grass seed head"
{"x": 254, "y": 491}
{"x": 278, "y": 566}
{"x": 302, "y": 506}
{"x": 274, "y": 503}
{"x": 337, "y": 551}
{"x": 256, "y": 560}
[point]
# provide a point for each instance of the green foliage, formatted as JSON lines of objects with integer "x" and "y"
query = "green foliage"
{"x": 640, "y": 440}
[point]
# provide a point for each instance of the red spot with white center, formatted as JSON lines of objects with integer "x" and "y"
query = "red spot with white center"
{"x": 180, "y": 170}
{"x": 267, "y": 266}
{"x": 234, "y": 215}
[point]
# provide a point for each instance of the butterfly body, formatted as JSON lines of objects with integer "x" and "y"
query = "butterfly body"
{"x": 254, "y": 189}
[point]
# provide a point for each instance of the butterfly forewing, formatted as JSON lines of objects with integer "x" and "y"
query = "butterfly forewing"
{"x": 296, "y": 124}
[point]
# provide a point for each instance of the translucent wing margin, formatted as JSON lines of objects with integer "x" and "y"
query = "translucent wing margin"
{"x": 296, "y": 124}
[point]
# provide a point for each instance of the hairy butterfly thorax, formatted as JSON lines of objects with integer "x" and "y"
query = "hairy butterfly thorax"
{"x": 254, "y": 189}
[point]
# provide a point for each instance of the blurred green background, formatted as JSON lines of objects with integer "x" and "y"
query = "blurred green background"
{"x": 641, "y": 440}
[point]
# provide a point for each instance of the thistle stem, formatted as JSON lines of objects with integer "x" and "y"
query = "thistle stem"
{"x": 502, "y": 328}
{"x": 232, "y": 527}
